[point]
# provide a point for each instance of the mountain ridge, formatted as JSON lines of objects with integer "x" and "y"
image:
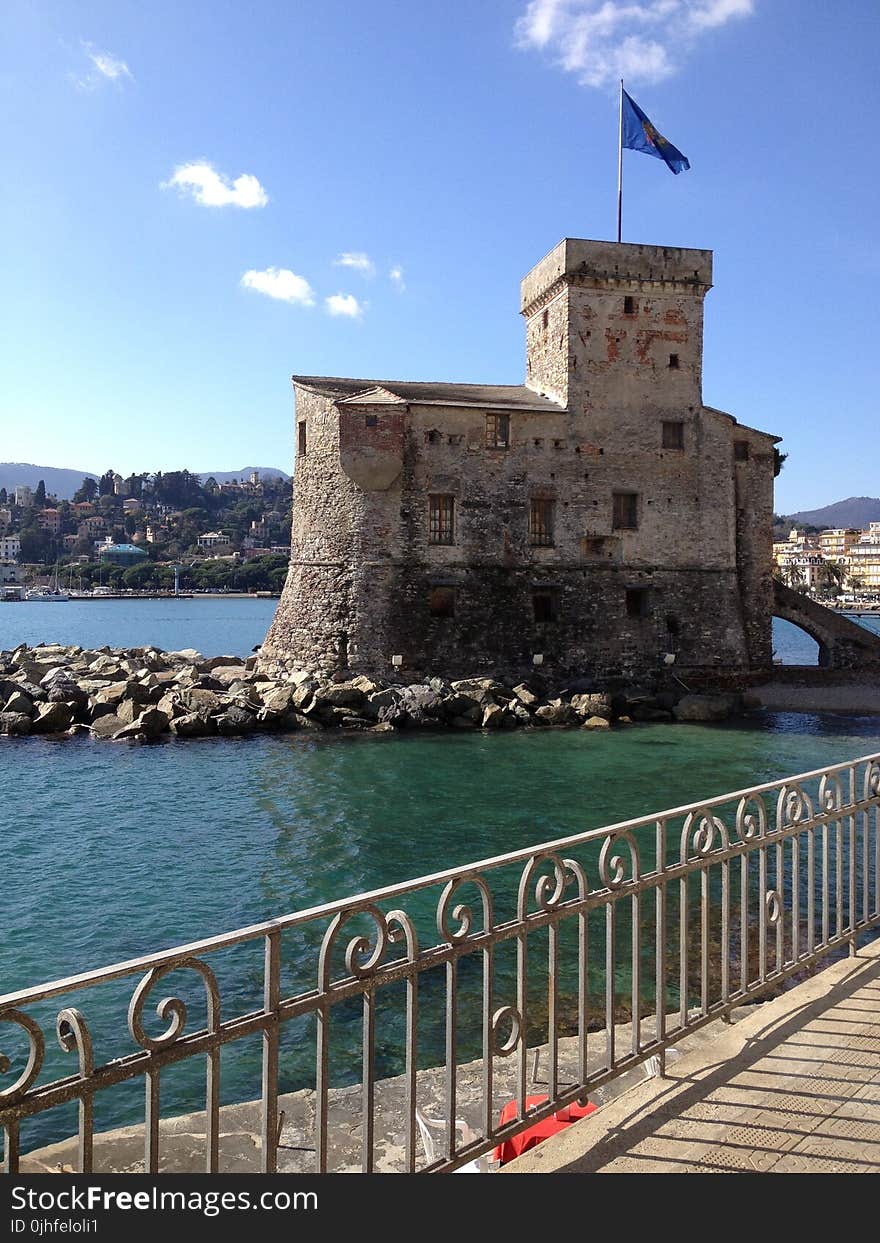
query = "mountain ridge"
{"x": 61, "y": 481}
{"x": 855, "y": 511}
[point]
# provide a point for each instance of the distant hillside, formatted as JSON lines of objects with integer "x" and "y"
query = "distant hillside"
{"x": 63, "y": 483}
{"x": 855, "y": 511}
{"x": 59, "y": 482}
{"x": 224, "y": 476}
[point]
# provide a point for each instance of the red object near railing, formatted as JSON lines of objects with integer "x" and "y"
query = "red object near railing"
{"x": 534, "y": 1135}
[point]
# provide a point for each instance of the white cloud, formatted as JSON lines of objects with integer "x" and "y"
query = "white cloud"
{"x": 280, "y": 283}
{"x": 602, "y": 40}
{"x": 105, "y": 67}
{"x": 344, "y": 304}
{"x": 210, "y": 188}
{"x": 395, "y": 275}
{"x": 358, "y": 260}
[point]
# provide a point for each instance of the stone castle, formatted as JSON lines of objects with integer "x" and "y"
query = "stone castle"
{"x": 598, "y": 519}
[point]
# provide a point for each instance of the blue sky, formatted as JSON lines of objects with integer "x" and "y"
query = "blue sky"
{"x": 182, "y": 180}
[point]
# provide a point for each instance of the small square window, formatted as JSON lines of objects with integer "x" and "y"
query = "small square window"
{"x": 301, "y": 438}
{"x": 673, "y": 434}
{"x": 441, "y": 519}
{"x": 629, "y": 305}
{"x": 741, "y": 450}
{"x": 371, "y": 420}
{"x": 545, "y": 606}
{"x": 542, "y": 520}
{"x": 637, "y": 601}
{"x": 441, "y": 602}
{"x": 497, "y": 431}
{"x": 625, "y": 516}
{"x": 673, "y": 362}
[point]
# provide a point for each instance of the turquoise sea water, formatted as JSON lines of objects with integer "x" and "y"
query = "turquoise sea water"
{"x": 111, "y": 852}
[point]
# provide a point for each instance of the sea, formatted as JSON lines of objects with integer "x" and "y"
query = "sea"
{"x": 113, "y": 851}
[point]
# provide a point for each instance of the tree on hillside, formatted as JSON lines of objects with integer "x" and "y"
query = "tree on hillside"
{"x": 86, "y": 492}
{"x": 105, "y": 483}
{"x": 3, "y": 497}
{"x": 40, "y": 495}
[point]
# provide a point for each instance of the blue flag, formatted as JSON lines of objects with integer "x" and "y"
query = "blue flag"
{"x": 640, "y": 135}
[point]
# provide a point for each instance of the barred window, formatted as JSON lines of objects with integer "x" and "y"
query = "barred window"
{"x": 625, "y": 516}
{"x": 542, "y": 516}
{"x": 441, "y": 519}
{"x": 673, "y": 434}
{"x": 497, "y": 431}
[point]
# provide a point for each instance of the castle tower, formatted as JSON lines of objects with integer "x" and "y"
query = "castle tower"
{"x": 598, "y": 515}
{"x": 611, "y": 327}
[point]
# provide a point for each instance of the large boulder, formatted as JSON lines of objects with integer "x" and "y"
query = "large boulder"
{"x": 557, "y": 713}
{"x": 225, "y": 675}
{"x": 60, "y": 685}
{"x": 706, "y": 707}
{"x": 196, "y": 699}
{"x": 106, "y": 726}
{"x": 341, "y": 695}
{"x": 590, "y": 705}
{"x": 152, "y": 722}
{"x": 199, "y": 724}
{"x": 15, "y": 723}
{"x": 19, "y": 702}
{"x": 276, "y": 701}
{"x": 596, "y": 722}
{"x": 52, "y": 718}
{"x": 236, "y": 720}
{"x": 128, "y": 711}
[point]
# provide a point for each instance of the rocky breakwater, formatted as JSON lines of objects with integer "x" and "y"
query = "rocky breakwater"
{"x": 141, "y": 694}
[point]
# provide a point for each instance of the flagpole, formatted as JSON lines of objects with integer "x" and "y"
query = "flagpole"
{"x": 620, "y": 166}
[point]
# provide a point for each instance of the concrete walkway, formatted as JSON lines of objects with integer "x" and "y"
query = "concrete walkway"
{"x": 792, "y": 1088}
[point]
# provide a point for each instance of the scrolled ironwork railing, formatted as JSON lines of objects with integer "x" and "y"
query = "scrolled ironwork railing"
{"x": 601, "y": 949}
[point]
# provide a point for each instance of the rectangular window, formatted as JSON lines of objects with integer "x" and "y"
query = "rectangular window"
{"x": 629, "y": 305}
{"x": 741, "y": 450}
{"x": 637, "y": 601}
{"x": 673, "y": 362}
{"x": 545, "y": 605}
{"x": 441, "y": 602}
{"x": 441, "y": 521}
{"x": 371, "y": 420}
{"x": 497, "y": 431}
{"x": 625, "y": 516}
{"x": 673, "y": 434}
{"x": 301, "y": 438}
{"x": 542, "y": 515}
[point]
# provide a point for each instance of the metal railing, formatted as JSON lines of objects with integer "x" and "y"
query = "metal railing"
{"x": 603, "y": 949}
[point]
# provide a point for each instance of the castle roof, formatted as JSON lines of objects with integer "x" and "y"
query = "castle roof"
{"x": 483, "y": 396}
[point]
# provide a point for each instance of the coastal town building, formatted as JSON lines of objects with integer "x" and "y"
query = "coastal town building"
{"x": 123, "y": 554}
{"x": 836, "y": 543}
{"x": 24, "y": 496}
{"x": 215, "y": 542}
{"x": 49, "y": 520}
{"x": 10, "y": 547}
{"x": 599, "y": 518}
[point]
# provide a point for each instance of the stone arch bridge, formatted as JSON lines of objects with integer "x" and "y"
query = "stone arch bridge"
{"x": 842, "y": 643}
